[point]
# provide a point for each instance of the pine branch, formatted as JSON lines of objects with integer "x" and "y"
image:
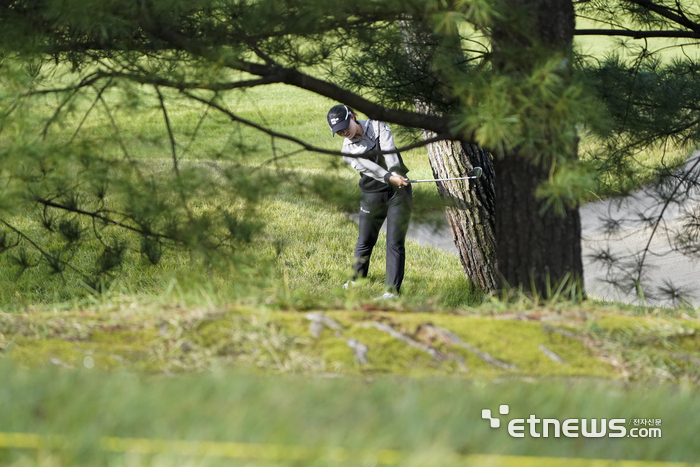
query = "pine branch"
{"x": 85, "y": 82}
{"x": 57, "y": 112}
{"x": 667, "y": 13}
{"x": 304, "y": 144}
{"x": 181, "y": 85}
{"x": 374, "y": 111}
{"x": 99, "y": 216}
{"x": 638, "y": 34}
{"x": 158, "y": 81}
{"x": 55, "y": 262}
{"x": 89, "y": 110}
{"x": 120, "y": 140}
{"x": 661, "y": 215}
{"x": 195, "y": 132}
{"x": 170, "y": 131}
{"x": 301, "y": 80}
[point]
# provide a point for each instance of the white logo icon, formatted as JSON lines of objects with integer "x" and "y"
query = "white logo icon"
{"x": 495, "y": 422}
{"x": 334, "y": 121}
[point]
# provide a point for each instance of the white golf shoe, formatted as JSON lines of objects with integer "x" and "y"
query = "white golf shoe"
{"x": 387, "y": 296}
{"x": 348, "y": 284}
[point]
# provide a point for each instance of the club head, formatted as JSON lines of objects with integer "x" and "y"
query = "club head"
{"x": 476, "y": 173}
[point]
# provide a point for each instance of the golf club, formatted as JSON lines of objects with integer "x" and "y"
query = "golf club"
{"x": 476, "y": 173}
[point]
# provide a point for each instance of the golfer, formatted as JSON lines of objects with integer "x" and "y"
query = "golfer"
{"x": 386, "y": 193}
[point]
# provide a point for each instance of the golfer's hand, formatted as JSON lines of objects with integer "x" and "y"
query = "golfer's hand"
{"x": 398, "y": 180}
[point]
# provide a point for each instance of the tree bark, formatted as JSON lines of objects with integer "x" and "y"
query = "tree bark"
{"x": 471, "y": 210}
{"x": 471, "y": 207}
{"x": 535, "y": 250}
{"x": 536, "y": 247}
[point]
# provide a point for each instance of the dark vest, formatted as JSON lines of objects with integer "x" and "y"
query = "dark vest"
{"x": 369, "y": 184}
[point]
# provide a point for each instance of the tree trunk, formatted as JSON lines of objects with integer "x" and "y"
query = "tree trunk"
{"x": 536, "y": 250}
{"x": 471, "y": 208}
{"x": 472, "y": 204}
{"x": 536, "y": 247}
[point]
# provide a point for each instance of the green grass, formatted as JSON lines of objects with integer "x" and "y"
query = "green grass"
{"x": 99, "y": 372}
{"x": 431, "y": 422}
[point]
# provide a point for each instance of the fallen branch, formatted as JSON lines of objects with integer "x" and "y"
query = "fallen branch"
{"x": 319, "y": 321}
{"x": 403, "y": 338}
{"x": 551, "y": 354}
{"x": 360, "y": 350}
{"x": 451, "y": 338}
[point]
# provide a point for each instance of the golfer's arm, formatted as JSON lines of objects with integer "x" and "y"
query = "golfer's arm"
{"x": 386, "y": 141}
{"x": 368, "y": 168}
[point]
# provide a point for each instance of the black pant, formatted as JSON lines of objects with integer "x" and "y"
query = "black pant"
{"x": 395, "y": 206}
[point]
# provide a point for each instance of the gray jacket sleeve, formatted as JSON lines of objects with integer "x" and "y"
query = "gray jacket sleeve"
{"x": 386, "y": 142}
{"x": 368, "y": 168}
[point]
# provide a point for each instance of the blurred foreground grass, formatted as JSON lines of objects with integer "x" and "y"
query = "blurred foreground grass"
{"x": 426, "y": 422}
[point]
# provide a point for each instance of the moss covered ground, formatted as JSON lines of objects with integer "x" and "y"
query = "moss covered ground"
{"x": 566, "y": 340}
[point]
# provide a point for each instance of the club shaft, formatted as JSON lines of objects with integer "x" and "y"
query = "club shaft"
{"x": 441, "y": 179}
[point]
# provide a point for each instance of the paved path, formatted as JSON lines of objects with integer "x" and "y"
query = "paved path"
{"x": 664, "y": 265}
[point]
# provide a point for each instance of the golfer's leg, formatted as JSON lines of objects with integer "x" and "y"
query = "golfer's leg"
{"x": 398, "y": 217}
{"x": 372, "y": 215}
